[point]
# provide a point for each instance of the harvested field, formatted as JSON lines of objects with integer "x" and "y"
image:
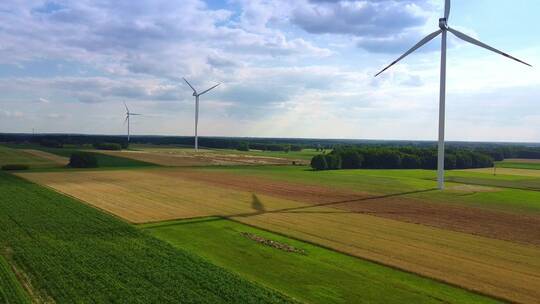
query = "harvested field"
{"x": 187, "y": 158}
{"x": 499, "y": 268}
{"x": 488, "y": 223}
{"x": 60, "y": 160}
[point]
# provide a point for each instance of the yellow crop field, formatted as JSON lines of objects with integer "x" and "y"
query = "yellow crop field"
{"x": 498, "y": 268}
{"x": 187, "y": 157}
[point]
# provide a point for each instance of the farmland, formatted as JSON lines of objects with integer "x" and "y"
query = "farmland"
{"x": 491, "y": 247}
{"x": 385, "y": 227}
{"x": 318, "y": 276}
{"x": 530, "y": 164}
{"x": 70, "y": 252}
{"x": 10, "y": 289}
{"x": 183, "y": 157}
{"x": 24, "y": 157}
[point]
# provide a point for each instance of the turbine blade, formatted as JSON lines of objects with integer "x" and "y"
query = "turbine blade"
{"x": 210, "y": 89}
{"x": 125, "y": 105}
{"x": 471, "y": 40}
{"x": 134, "y": 114}
{"x": 427, "y": 39}
{"x": 447, "y": 9}
{"x": 127, "y": 118}
{"x": 189, "y": 84}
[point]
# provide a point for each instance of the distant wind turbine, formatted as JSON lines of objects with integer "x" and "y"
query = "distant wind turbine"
{"x": 197, "y": 110}
{"x": 128, "y": 115}
{"x": 444, "y": 29}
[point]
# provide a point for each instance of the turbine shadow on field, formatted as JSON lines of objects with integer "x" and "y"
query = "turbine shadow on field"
{"x": 259, "y": 207}
{"x": 257, "y": 204}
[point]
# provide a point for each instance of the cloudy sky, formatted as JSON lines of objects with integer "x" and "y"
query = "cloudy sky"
{"x": 300, "y": 68}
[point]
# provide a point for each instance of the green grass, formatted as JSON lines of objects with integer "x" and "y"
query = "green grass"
{"x": 413, "y": 183}
{"x": 320, "y": 276}
{"x": 11, "y": 291}
{"x": 518, "y": 165}
{"x": 72, "y": 253}
{"x": 13, "y": 156}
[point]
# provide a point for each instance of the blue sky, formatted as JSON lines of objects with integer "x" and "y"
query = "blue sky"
{"x": 288, "y": 68}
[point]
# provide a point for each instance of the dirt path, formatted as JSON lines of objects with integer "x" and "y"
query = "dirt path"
{"x": 476, "y": 221}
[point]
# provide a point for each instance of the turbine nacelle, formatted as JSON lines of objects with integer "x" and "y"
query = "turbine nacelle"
{"x": 443, "y": 24}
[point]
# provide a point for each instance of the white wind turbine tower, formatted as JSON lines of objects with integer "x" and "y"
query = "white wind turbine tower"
{"x": 128, "y": 115}
{"x": 197, "y": 110}
{"x": 444, "y": 29}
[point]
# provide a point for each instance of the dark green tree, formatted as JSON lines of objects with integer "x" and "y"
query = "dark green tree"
{"x": 318, "y": 162}
{"x": 83, "y": 160}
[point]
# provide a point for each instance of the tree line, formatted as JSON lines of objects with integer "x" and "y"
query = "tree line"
{"x": 399, "y": 158}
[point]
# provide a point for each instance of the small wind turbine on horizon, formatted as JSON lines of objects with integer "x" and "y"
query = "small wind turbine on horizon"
{"x": 444, "y": 29}
{"x": 196, "y": 95}
{"x": 128, "y": 115}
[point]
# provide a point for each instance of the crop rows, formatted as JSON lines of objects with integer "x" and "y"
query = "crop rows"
{"x": 73, "y": 253}
{"x": 11, "y": 291}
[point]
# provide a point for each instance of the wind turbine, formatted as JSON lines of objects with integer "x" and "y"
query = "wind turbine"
{"x": 128, "y": 115}
{"x": 197, "y": 110}
{"x": 444, "y": 29}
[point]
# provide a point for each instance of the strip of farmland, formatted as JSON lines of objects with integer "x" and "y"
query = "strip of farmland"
{"x": 70, "y": 253}
{"x": 315, "y": 274}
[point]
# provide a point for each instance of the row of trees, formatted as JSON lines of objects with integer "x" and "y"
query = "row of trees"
{"x": 398, "y": 158}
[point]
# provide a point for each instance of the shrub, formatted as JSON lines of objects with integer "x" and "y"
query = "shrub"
{"x": 108, "y": 146}
{"x": 318, "y": 162}
{"x": 243, "y": 146}
{"x": 14, "y": 167}
{"x": 83, "y": 160}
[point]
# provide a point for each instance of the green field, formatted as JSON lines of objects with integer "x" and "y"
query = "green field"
{"x": 11, "y": 291}
{"x": 70, "y": 252}
{"x": 12, "y": 156}
{"x": 318, "y": 276}
{"x": 519, "y": 165}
